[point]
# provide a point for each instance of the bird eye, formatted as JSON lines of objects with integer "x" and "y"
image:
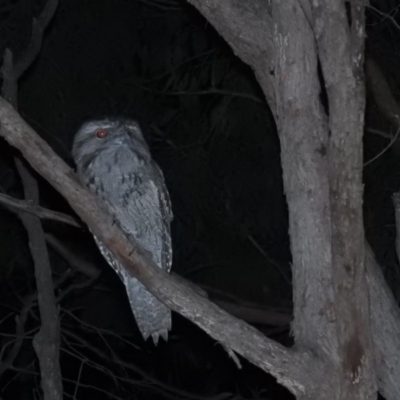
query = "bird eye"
{"x": 101, "y": 133}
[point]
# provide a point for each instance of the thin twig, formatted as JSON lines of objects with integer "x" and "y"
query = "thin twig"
{"x": 40, "y": 212}
{"x": 384, "y": 150}
{"x": 209, "y": 91}
{"x": 47, "y": 341}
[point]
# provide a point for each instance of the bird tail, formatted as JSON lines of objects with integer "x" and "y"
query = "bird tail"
{"x": 152, "y": 316}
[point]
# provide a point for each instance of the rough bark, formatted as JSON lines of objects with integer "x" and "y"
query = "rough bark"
{"x": 302, "y": 371}
{"x": 296, "y": 370}
{"x": 341, "y": 53}
{"x": 321, "y": 156}
{"x": 322, "y": 164}
{"x": 385, "y": 325}
{"x": 280, "y": 46}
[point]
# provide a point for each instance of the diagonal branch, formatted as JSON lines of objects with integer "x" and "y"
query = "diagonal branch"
{"x": 287, "y": 366}
{"x": 21, "y": 205}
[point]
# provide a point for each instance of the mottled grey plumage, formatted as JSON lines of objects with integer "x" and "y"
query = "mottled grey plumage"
{"x": 114, "y": 161}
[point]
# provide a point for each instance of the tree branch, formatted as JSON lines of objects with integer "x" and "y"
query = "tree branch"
{"x": 289, "y": 367}
{"x": 341, "y": 54}
{"x": 47, "y": 341}
{"x": 40, "y": 212}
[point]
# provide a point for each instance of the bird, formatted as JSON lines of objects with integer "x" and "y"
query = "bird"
{"x": 113, "y": 160}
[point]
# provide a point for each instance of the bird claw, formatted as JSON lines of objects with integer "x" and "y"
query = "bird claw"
{"x": 156, "y": 335}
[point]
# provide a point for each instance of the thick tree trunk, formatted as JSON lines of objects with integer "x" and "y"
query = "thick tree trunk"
{"x": 286, "y": 42}
{"x": 322, "y": 165}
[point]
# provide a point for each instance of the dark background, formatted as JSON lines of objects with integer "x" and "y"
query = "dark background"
{"x": 209, "y": 128}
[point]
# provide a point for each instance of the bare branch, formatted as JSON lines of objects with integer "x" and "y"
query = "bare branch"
{"x": 19, "y": 334}
{"x": 284, "y": 364}
{"x": 40, "y": 212}
{"x": 163, "y": 388}
{"x": 392, "y": 142}
{"x": 209, "y": 91}
{"x": 38, "y": 28}
{"x": 382, "y": 93}
{"x": 47, "y": 341}
{"x": 77, "y": 263}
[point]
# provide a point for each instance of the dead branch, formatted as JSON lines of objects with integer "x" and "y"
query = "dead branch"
{"x": 383, "y": 96}
{"x": 47, "y": 341}
{"x": 287, "y": 366}
{"x": 77, "y": 263}
{"x": 40, "y": 212}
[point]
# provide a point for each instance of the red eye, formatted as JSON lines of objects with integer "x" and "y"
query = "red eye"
{"x": 101, "y": 133}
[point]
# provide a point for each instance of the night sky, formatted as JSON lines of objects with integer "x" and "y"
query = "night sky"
{"x": 210, "y": 130}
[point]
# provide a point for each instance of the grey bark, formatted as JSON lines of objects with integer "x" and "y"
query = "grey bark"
{"x": 322, "y": 163}
{"x": 295, "y": 369}
{"x": 302, "y": 371}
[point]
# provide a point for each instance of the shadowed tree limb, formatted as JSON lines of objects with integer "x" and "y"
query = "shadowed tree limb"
{"x": 34, "y": 209}
{"x": 291, "y": 368}
{"x": 47, "y": 341}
